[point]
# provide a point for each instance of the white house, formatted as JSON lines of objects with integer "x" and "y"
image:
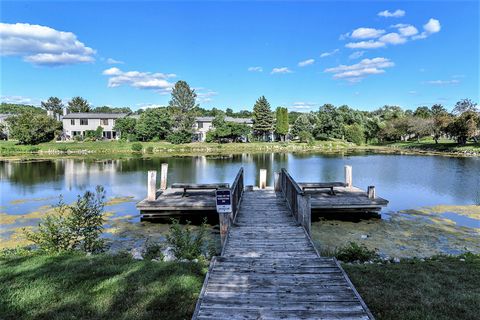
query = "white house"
{"x": 75, "y": 124}
{"x": 3, "y": 124}
{"x": 204, "y": 124}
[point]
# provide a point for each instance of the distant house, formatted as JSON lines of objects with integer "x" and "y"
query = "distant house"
{"x": 204, "y": 124}
{"x": 75, "y": 124}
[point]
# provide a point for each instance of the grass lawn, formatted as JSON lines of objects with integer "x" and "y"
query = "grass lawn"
{"x": 443, "y": 145}
{"x": 11, "y": 148}
{"x": 445, "y": 288}
{"x": 97, "y": 287}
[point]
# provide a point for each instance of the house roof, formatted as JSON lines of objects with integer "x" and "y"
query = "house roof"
{"x": 93, "y": 115}
{"x": 228, "y": 119}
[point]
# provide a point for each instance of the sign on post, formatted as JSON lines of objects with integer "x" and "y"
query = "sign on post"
{"x": 224, "y": 200}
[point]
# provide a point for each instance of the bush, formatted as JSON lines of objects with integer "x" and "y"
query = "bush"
{"x": 73, "y": 227}
{"x": 132, "y": 137}
{"x": 180, "y": 137}
{"x": 149, "y": 149}
{"x": 93, "y": 135}
{"x": 78, "y": 138}
{"x": 354, "y": 133}
{"x": 305, "y": 136}
{"x": 33, "y": 149}
{"x": 137, "y": 147}
{"x": 187, "y": 244}
{"x": 153, "y": 251}
{"x": 355, "y": 252}
{"x": 63, "y": 149}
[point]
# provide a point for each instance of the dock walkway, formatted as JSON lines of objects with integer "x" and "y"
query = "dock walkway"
{"x": 270, "y": 269}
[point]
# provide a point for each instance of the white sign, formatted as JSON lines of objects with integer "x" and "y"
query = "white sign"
{"x": 224, "y": 200}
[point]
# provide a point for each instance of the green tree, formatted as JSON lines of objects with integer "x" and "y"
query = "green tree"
{"x": 304, "y": 123}
{"x": 441, "y": 120}
{"x": 183, "y": 105}
{"x": 281, "y": 122}
{"x": 354, "y": 133}
{"x": 13, "y": 108}
{"x": 125, "y": 126}
{"x": 78, "y": 104}
{"x": 465, "y": 127}
{"x": 262, "y": 118}
{"x": 107, "y": 109}
{"x": 422, "y": 112}
{"x": 330, "y": 122}
{"x": 154, "y": 123}
{"x": 465, "y": 105}
{"x": 53, "y": 104}
{"x": 32, "y": 128}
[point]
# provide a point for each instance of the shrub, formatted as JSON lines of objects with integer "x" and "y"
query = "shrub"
{"x": 33, "y": 149}
{"x": 93, "y": 135}
{"x": 149, "y": 149}
{"x": 355, "y": 252}
{"x": 186, "y": 243}
{"x": 305, "y": 136}
{"x": 132, "y": 137}
{"x": 354, "y": 133}
{"x": 63, "y": 149}
{"x": 73, "y": 227}
{"x": 137, "y": 147}
{"x": 78, "y": 138}
{"x": 179, "y": 137}
{"x": 153, "y": 251}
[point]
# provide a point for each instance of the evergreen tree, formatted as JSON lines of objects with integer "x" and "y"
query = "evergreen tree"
{"x": 78, "y": 104}
{"x": 281, "y": 124}
{"x": 262, "y": 118}
{"x": 53, "y": 104}
{"x": 183, "y": 105}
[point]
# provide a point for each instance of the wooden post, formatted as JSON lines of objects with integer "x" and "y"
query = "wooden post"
{"x": 152, "y": 185}
{"x": 348, "y": 176}
{"x": 224, "y": 221}
{"x": 371, "y": 192}
{"x": 276, "y": 182}
{"x": 163, "y": 176}
{"x": 304, "y": 212}
{"x": 263, "y": 178}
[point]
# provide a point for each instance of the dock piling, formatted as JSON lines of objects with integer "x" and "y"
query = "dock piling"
{"x": 276, "y": 182}
{"x": 263, "y": 178}
{"x": 152, "y": 185}
{"x": 224, "y": 221}
{"x": 371, "y": 192}
{"x": 163, "y": 176}
{"x": 348, "y": 176}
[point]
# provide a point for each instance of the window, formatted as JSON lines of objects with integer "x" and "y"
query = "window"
{"x": 84, "y": 122}
{"x": 72, "y": 122}
{"x": 104, "y": 122}
{"x": 200, "y": 125}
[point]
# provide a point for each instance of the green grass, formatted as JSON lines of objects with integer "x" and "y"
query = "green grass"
{"x": 444, "y": 145}
{"x": 11, "y": 148}
{"x": 443, "y": 288}
{"x": 103, "y": 286}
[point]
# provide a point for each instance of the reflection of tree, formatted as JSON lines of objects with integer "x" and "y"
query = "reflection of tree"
{"x": 32, "y": 172}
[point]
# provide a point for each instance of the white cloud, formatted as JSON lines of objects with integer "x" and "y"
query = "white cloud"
{"x": 366, "y": 33}
{"x": 326, "y": 54}
{"x": 281, "y": 70}
{"x": 307, "y": 62}
{"x": 19, "y": 100}
{"x": 113, "y": 61}
{"x": 302, "y": 105}
{"x": 141, "y": 80}
{"x": 406, "y": 30}
{"x": 358, "y": 71}
{"x": 42, "y": 45}
{"x": 431, "y": 27}
{"x": 206, "y": 96}
{"x": 356, "y": 55}
{"x": 387, "y": 14}
{"x": 392, "y": 38}
{"x": 370, "y": 44}
{"x": 344, "y": 36}
{"x": 443, "y": 82}
{"x": 255, "y": 69}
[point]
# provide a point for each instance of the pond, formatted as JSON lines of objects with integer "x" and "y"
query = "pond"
{"x": 434, "y": 201}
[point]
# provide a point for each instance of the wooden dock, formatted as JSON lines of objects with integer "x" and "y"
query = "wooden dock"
{"x": 270, "y": 269}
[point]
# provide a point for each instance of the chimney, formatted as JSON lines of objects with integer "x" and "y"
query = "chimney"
{"x": 65, "y": 111}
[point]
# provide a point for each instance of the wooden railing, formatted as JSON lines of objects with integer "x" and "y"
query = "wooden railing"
{"x": 297, "y": 201}
{"x": 237, "y": 192}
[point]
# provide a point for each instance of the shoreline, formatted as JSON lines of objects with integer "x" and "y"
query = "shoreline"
{"x": 11, "y": 152}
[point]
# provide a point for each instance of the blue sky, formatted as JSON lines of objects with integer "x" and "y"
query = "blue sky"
{"x": 299, "y": 55}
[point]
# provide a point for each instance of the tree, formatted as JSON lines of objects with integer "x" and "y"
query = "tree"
{"x": 354, "y": 133}
{"x": 126, "y": 126}
{"x": 32, "y": 128}
{"x": 183, "y": 105}
{"x": 419, "y": 126}
{"x": 465, "y": 105}
{"x": 53, "y": 104}
{"x": 13, "y": 108}
{"x": 154, "y": 123}
{"x": 441, "y": 120}
{"x": 304, "y": 123}
{"x": 107, "y": 109}
{"x": 330, "y": 122}
{"x": 226, "y": 130}
{"x": 281, "y": 122}
{"x": 465, "y": 127}
{"x": 422, "y": 112}
{"x": 262, "y": 118}
{"x": 78, "y": 104}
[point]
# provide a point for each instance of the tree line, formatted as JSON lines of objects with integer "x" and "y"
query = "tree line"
{"x": 175, "y": 122}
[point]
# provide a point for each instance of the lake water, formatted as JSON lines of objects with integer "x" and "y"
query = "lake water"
{"x": 442, "y": 194}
